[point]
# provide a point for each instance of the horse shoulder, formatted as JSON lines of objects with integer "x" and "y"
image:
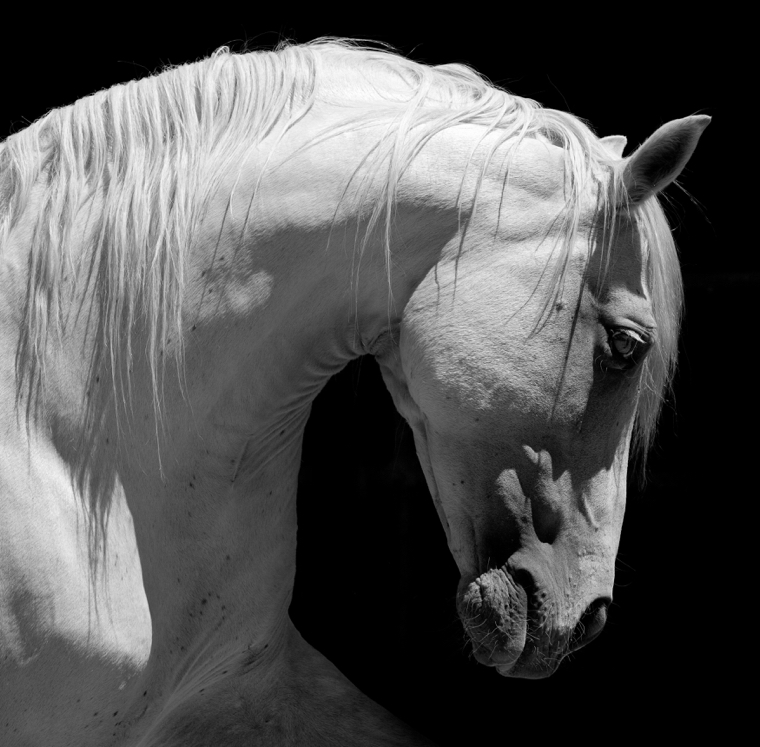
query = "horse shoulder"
{"x": 70, "y": 641}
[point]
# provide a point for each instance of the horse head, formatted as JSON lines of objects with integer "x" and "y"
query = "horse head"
{"x": 522, "y": 370}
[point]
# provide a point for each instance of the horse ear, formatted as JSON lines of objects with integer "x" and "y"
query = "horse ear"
{"x": 614, "y": 144}
{"x": 662, "y": 157}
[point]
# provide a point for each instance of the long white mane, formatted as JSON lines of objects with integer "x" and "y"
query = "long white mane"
{"x": 151, "y": 153}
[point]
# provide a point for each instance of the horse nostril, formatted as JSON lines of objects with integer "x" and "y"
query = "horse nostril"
{"x": 591, "y": 623}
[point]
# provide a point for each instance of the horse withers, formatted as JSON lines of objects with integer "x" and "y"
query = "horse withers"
{"x": 188, "y": 258}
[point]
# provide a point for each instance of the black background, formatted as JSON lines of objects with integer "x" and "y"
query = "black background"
{"x": 375, "y": 586}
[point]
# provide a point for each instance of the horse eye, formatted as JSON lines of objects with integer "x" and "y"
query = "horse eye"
{"x": 626, "y": 348}
{"x": 624, "y": 342}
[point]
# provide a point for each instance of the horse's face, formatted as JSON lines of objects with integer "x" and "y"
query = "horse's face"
{"x": 522, "y": 405}
{"x": 522, "y": 397}
{"x": 524, "y": 431}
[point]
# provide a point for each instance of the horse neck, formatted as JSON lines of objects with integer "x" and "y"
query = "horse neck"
{"x": 214, "y": 505}
{"x": 271, "y": 315}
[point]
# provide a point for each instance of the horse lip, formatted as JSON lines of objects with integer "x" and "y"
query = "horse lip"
{"x": 506, "y": 671}
{"x": 517, "y": 655}
{"x": 494, "y": 611}
{"x": 525, "y": 671}
{"x": 526, "y": 663}
{"x": 498, "y": 659}
{"x": 531, "y": 664}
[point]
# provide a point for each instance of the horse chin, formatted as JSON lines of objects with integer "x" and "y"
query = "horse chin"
{"x": 495, "y": 611}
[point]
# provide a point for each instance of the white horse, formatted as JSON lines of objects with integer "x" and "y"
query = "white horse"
{"x": 187, "y": 259}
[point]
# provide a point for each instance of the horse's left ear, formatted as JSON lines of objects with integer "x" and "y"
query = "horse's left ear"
{"x": 614, "y": 144}
{"x": 662, "y": 157}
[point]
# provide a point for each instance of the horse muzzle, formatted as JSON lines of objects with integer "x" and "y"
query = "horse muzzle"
{"x": 514, "y": 623}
